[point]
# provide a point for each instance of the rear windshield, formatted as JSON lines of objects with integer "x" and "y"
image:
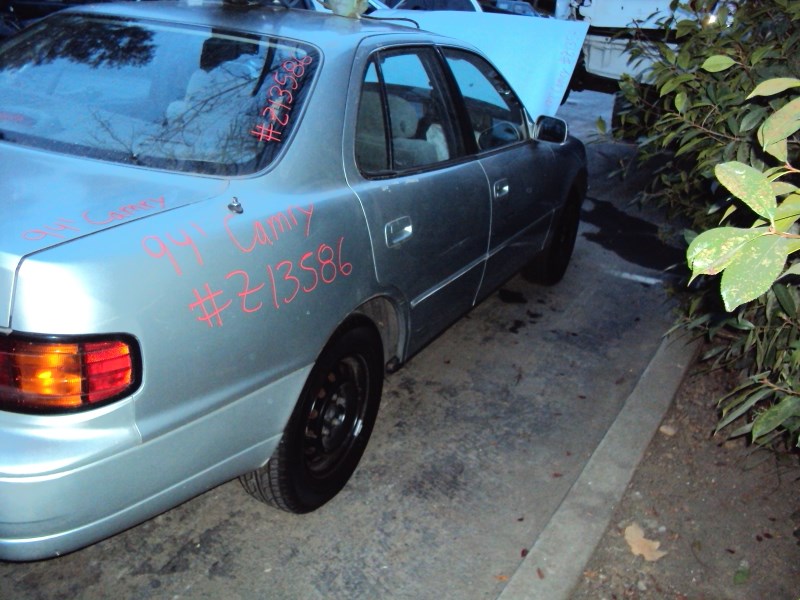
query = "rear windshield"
{"x": 170, "y": 97}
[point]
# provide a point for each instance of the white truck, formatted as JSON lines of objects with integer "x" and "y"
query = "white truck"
{"x": 605, "y": 52}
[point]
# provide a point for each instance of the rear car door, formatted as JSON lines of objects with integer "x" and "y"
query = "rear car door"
{"x": 427, "y": 204}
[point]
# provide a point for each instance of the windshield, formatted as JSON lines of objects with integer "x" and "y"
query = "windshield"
{"x": 171, "y": 97}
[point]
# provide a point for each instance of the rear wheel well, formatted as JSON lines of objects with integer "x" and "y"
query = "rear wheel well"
{"x": 385, "y": 316}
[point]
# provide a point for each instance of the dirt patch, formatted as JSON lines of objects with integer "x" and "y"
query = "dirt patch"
{"x": 726, "y": 516}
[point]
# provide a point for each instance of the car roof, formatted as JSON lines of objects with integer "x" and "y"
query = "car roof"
{"x": 265, "y": 18}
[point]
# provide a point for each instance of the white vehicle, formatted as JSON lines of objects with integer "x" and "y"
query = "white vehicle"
{"x": 605, "y": 57}
{"x": 542, "y": 84}
{"x": 605, "y": 51}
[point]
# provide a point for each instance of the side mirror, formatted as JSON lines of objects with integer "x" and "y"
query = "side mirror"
{"x": 550, "y": 129}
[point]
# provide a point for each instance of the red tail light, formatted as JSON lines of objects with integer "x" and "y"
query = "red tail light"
{"x": 44, "y": 375}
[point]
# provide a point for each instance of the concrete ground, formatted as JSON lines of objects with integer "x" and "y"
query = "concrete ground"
{"x": 555, "y": 563}
{"x": 499, "y": 453}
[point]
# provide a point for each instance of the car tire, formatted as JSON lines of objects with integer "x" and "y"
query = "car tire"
{"x": 549, "y": 268}
{"x": 329, "y": 428}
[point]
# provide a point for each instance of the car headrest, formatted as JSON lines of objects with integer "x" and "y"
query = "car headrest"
{"x": 370, "y": 116}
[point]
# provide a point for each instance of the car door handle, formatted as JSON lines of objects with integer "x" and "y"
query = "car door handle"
{"x": 501, "y": 188}
{"x": 398, "y": 231}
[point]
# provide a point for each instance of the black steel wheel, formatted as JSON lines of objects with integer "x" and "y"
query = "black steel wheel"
{"x": 329, "y": 428}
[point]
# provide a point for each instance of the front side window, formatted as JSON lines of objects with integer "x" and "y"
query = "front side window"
{"x": 170, "y": 97}
{"x": 496, "y": 114}
{"x": 403, "y": 120}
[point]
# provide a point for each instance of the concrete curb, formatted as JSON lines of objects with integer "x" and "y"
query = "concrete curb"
{"x": 554, "y": 565}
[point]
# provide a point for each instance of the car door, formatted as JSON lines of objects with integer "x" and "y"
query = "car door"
{"x": 426, "y": 203}
{"x": 521, "y": 172}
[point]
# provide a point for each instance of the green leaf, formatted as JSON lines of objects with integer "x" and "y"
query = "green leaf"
{"x": 685, "y": 27}
{"x": 779, "y": 150}
{"x": 728, "y": 212}
{"x": 688, "y": 147}
{"x": 787, "y": 213}
{"x": 743, "y": 153}
{"x": 770, "y": 87}
{"x": 733, "y": 125}
{"x": 667, "y": 54}
{"x": 712, "y": 251}
{"x": 674, "y": 82}
{"x": 781, "y": 124}
{"x": 717, "y": 63}
{"x": 785, "y": 299}
{"x": 684, "y": 59}
{"x": 753, "y": 270}
{"x": 781, "y": 188}
{"x": 754, "y": 116}
{"x": 775, "y": 416}
{"x": 743, "y": 430}
{"x": 735, "y": 411}
{"x": 760, "y": 53}
{"x": 749, "y": 185}
{"x": 680, "y": 101}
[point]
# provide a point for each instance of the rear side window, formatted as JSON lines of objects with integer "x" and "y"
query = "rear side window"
{"x": 172, "y": 97}
{"x": 405, "y": 116}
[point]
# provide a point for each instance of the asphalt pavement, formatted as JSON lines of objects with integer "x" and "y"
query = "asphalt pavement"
{"x": 555, "y": 563}
{"x": 499, "y": 453}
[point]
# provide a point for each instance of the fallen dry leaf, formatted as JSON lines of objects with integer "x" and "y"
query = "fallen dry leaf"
{"x": 640, "y": 545}
{"x": 668, "y": 430}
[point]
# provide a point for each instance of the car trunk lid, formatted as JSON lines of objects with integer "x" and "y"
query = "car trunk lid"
{"x": 50, "y": 199}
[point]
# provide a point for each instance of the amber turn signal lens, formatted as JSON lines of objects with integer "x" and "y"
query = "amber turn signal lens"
{"x": 52, "y": 376}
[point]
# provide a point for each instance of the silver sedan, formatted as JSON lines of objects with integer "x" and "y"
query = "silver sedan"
{"x": 222, "y": 225}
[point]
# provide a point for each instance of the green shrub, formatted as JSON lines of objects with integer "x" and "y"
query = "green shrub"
{"x": 726, "y": 156}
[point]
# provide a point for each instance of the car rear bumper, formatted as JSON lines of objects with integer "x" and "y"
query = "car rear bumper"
{"x": 92, "y": 476}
